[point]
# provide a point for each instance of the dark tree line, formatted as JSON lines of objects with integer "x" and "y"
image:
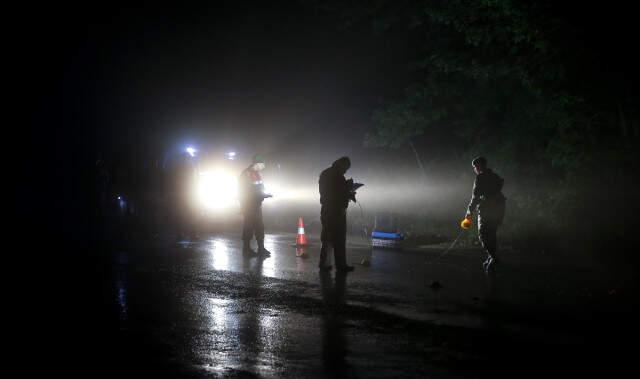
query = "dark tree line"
{"x": 546, "y": 89}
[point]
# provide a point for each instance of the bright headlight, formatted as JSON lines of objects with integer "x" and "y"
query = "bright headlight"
{"x": 217, "y": 190}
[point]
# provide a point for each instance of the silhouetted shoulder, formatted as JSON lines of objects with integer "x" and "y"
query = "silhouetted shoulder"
{"x": 326, "y": 175}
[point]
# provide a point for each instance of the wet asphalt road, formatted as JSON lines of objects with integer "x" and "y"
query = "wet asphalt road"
{"x": 200, "y": 309}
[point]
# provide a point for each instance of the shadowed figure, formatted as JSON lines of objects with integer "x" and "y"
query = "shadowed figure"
{"x": 252, "y": 194}
{"x": 487, "y": 197}
{"x": 334, "y": 342}
{"x": 335, "y": 193}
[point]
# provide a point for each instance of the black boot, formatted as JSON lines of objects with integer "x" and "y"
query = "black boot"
{"x": 261, "y": 249}
{"x": 247, "y": 251}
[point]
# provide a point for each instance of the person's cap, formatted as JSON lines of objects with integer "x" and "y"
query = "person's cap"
{"x": 479, "y": 162}
{"x": 258, "y": 159}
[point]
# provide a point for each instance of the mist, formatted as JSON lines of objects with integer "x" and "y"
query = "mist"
{"x": 134, "y": 124}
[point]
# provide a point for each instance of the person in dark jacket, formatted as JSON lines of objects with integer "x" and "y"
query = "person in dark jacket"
{"x": 252, "y": 194}
{"x": 335, "y": 193}
{"x": 487, "y": 197}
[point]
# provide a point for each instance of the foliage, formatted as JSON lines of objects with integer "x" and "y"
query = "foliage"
{"x": 507, "y": 79}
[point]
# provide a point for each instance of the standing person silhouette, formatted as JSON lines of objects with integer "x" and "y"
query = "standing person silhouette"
{"x": 335, "y": 193}
{"x": 487, "y": 197}
{"x": 252, "y": 195}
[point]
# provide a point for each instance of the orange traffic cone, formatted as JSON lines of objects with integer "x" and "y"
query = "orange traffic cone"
{"x": 301, "y": 240}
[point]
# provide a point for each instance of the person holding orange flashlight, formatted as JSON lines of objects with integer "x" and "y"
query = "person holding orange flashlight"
{"x": 488, "y": 199}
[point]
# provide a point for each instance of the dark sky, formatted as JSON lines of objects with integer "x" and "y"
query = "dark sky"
{"x": 103, "y": 80}
{"x": 261, "y": 76}
{"x": 264, "y": 76}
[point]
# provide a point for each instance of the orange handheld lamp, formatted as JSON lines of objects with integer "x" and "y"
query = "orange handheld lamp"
{"x": 465, "y": 224}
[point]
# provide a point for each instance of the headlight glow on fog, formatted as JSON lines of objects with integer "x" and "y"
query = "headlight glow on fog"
{"x": 217, "y": 190}
{"x": 282, "y": 193}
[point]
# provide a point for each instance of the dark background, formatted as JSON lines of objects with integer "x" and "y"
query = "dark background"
{"x": 131, "y": 82}
{"x": 297, "y": 80}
